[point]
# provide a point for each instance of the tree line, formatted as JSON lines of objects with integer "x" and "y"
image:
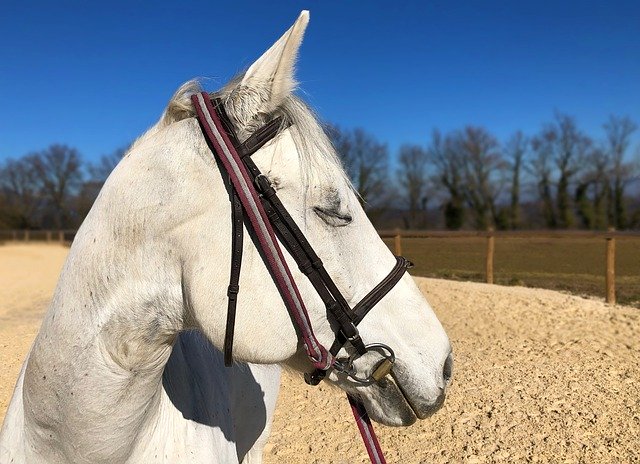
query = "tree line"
{"x": 51, "y": 189}
{"x": 558, "y": 177}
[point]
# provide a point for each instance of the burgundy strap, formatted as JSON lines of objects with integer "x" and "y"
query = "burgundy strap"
{"x": 221, "y": 145}
{"x": 366, "y": 431}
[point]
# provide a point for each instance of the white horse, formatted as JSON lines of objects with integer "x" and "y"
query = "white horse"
{"x": 127, "y": 364}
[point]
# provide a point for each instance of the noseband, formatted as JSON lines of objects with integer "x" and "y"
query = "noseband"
{"x": 252, "y": 196}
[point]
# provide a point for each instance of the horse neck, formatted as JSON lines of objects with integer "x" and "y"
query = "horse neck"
{"x": 101, "y": 351}
{"x": 115, "y": 314}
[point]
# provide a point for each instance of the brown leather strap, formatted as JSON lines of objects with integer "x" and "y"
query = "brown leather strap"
{"x": 361, "y": 309}
{"x": 260, "y": 137}
{"x": 234, "y": 279}
{"x": 308, "y": 261}
{"x": 345, "y": 319}
{"x": 237, "y": 235}
{"x": 262, "y": 216}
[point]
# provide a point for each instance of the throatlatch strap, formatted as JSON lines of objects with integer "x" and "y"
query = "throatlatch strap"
{"x": 221, "y": 145}
{"x": 234, "y": 287}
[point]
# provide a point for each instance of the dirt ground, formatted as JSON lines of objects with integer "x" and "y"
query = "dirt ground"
{"x": 28, "y": 275}
{"x": 539, "y": 376}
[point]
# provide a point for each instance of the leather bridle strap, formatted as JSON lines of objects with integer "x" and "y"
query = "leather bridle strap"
{"x": 311, "y": 265}
{"x": 292, "y": 237}
{"x": 307, "y": 260}
{"x": 258, "y": 139}
{"x": 237, "y": 238}
{"x": 296, "y": 244}
{"x": 366, "y": 431}
{"x": 299, "y": 248}
{"x": 362, "y": 309}
{"x": 265, "y": 211}
{"x": 234, "y": 279}
{"x": 241, "y": 181}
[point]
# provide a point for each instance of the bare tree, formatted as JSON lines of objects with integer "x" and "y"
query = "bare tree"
{"x": 515, "y": 151}
{"x": 448, "y": 174}
{"x": 618, "y": 133}
{"x": 482, "y": 173}
{"x": 366, "y": 162}
{"x": 58, "y": 171}
{"x": 20, "y": 193}
{"x": 593, "y": 190}
{"x": 412, "y": 175}
{"x": 542, "y": 170}
{"x": 570, "y": 151}
{"x": 560, "y": 149}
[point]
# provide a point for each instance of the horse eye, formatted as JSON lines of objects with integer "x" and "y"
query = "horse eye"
{"x": 333, "y": 217}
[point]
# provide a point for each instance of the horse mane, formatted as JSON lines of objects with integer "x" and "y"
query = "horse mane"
{"x": 318, "y": 157}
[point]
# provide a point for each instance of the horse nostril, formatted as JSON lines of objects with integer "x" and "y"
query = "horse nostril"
{"x": 447, "y": 371}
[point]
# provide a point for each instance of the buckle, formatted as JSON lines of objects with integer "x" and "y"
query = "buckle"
{"x": 233, "y": 290}
{"x": 263, "y": 186}
{"x": 381, "y": 370}
{"x": 355, "y": 340}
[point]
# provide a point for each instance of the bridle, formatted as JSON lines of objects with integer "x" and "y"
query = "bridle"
{"x": 253, "y": 197}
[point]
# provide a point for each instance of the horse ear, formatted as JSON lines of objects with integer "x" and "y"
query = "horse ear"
{"x": 271, "y": 77}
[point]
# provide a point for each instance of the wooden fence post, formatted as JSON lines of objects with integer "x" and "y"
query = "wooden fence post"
{"x": 490, "y": 252}
{"x": 61, "y": 236}
{"x": 397, "y": 242}
{"x": 14, "y": 235}
{"x": 611, "y": 268}
{"x": 27, "y": 234}
{"x": 48, "y": 236}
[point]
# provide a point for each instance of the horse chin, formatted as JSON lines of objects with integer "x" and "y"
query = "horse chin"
{"x": 386, "y": 404}
{"x": 389, "y": 404}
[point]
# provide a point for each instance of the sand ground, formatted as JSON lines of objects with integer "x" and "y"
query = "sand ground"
{"x": 539, "y": 376}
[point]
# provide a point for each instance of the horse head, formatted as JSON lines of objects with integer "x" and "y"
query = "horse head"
{"x": 303, "y": 168}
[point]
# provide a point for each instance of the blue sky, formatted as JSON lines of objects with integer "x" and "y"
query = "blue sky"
{"x": 95, "y": 75}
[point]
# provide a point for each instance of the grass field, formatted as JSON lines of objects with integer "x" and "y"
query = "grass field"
{"x": 574, "y": 264}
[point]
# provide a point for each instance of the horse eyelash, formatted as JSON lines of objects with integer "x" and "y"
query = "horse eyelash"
{"x": 326, "y": 213}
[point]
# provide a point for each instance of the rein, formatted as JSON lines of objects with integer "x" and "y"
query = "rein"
{"x": 252, "y": 196}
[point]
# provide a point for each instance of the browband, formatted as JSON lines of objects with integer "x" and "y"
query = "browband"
{"x": 260, "y": 137}
{"x": 256, "y": 140}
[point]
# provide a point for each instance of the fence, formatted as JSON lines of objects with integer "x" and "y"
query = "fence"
{"x": 608, "y": 239}
{"x": 60, "y": 236}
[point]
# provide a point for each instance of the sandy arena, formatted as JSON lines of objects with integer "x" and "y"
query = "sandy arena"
{"x": 539, "y": 376}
